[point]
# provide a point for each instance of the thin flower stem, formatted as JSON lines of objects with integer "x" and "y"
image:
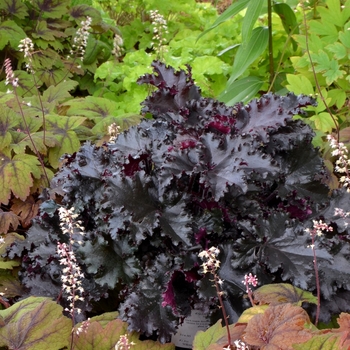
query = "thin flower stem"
{"x": 318, "y": 290}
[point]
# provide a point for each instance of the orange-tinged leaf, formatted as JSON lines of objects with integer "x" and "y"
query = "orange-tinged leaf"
{"x": 34, "y": 323}
{"x": 104, "y": 331}
{"x": 8, "y": 219}
{"x": 10, "y": 286}
{"x": 16, "y": 176}
{"x": 280, "y": 293}
{"x": 248, "y": 314}
{"x": 344, "y": 328}
{"x": 26, "y": 210}
{"x": 279, "y": 327}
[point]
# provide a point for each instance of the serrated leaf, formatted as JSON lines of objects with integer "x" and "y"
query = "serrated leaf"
{"x": 58, "y": 93}
{"x": 324, "y": 122}
{"x": 280, "y": 324}
{"x": 52, "y": 8}
{"x": 280, "y": 293}
{"x": 10, "y": 32}
{"x": 26, "y": 210}
{"x": 204, "y": 338}
{"x": 8, "y": 219}
{"x": 63, "y": 130}
{"x": 15, "y": 8}
{"x": 35, "y": 323}
{"x": 299, "y": 84}
{"x": 45, "y": 33}
{"x": 16, "y": 176}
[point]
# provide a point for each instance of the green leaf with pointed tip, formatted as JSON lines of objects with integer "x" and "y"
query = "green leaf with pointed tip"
{"x": 59, "y": 92}
{"x": 250, "y": 17}
{"x": 241, "y": 90}
{"x": 288, "y": 18}
{"x": 203, "y": 339}
{"x": 299, "y": 84}
{"x": 14, "y": 7}
{"x": 52, "y": 8}
{"x": 323, "y": 121}
{"x": 92, "y": 107}
{"x": 231, "y": 11}
{"x": 249, "y": 51}
{"x": 63, "y": 130}
{"x": 16, "y": 176}
{"x": 12, "y": 33}
{"x": 35, "y": 323}
{"x": 280, "y": 293}
{"x": 43, "y": 32}
{"x": 8, "y": 119}
{"x": 93, "y": 50}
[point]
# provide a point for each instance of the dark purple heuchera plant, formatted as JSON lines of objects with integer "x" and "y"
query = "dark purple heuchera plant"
{"x": 198, "y": 174}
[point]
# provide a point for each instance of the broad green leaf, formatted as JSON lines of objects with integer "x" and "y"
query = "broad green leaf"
{"x": 93, "y": 49}
{"x": 250, "y": 17}
{"x": 14, "y": 7}
{"x": 344, "y": 37}
{"x": 327, "y": 31}
{"x": 327, "y": 341}
{"x": 8, "y": 119}
{"x": 34, "y": 323}
{"x": 8, "y": 264}
{"x": 204, "y": 338}
{"x": 288, "y": 18}
{"x": 338, "y": 97}
{"x": 241, "y": 90}
{"x": 52, "y": 8}
{"x": 45, "y": 33}
{"x": 249, "y": 51}
{"x": 59, "y": 92}
{"x": 338, "y": 49}
{"x": 10, "y": 32}
{"x": 92, "y": 107}
{"x": 63, "y": 130}
{"x": 299, "y": 84}
{"x": 51, "y": 76}
{"x": 16, "y": 176}
{"x": 324, "y": 122}
{"x": 231, "y": 11}
{"x": 280, "y": 293}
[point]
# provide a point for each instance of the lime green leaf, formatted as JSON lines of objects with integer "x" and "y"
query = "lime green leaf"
{"x": 338, "y": 49}
{"x": 34, "y": 323}
{"x": 250, "y": 17}
{"x": 14, "y": 7}
{"x": 288, "y": 18}
{"x": 248, "y": 314}
{"x": 109, "y": 70}
{"x": 248, "y": 52}
{"x": 203, "y": 339}
{"x": 326, "y": 30}
{"x": 324, "y": 122}
{"x": 59, "y": 92}
{"x": 241, "y": 90}
{"x": 63, "y": 130}
{"x": 235, "y": 8}
{"x": 280, "y": 293}
{"x": 338, "y": 97}
{"x": 10, "y": 32}
{"x": 344, "y": 37}
{"x": 16, "y": 176}
{"x": 8, "y": 119}
{"x": 299, "y": 84}
{"x": 328, "y": 341}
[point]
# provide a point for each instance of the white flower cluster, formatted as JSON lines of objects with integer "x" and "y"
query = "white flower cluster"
{"x": 81, "y": 38}
{"x": 160, "y": 28}
{"x": 123, "y": 343}
{"x": 117, "y": 45}
{"x": 27, "y": 47}
{"x": 72, "y": 276}
{"x": 113, "y": 132}
{"x": 342, "y": 163}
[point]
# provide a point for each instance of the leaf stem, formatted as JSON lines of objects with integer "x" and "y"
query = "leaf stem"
{"x": 269, "y": 19}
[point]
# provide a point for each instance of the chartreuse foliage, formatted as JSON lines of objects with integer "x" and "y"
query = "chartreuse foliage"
{"x": 322, "y": 68}
{"x": 277, "y": 321}
{"x": 38, "y": 323}
{"x": 246, "y": 179}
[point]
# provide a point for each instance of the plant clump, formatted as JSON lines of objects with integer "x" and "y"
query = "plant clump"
{"x": 198, "y": 174}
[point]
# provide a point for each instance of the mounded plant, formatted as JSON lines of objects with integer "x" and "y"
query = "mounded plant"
{"x": 245, "y": 179}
